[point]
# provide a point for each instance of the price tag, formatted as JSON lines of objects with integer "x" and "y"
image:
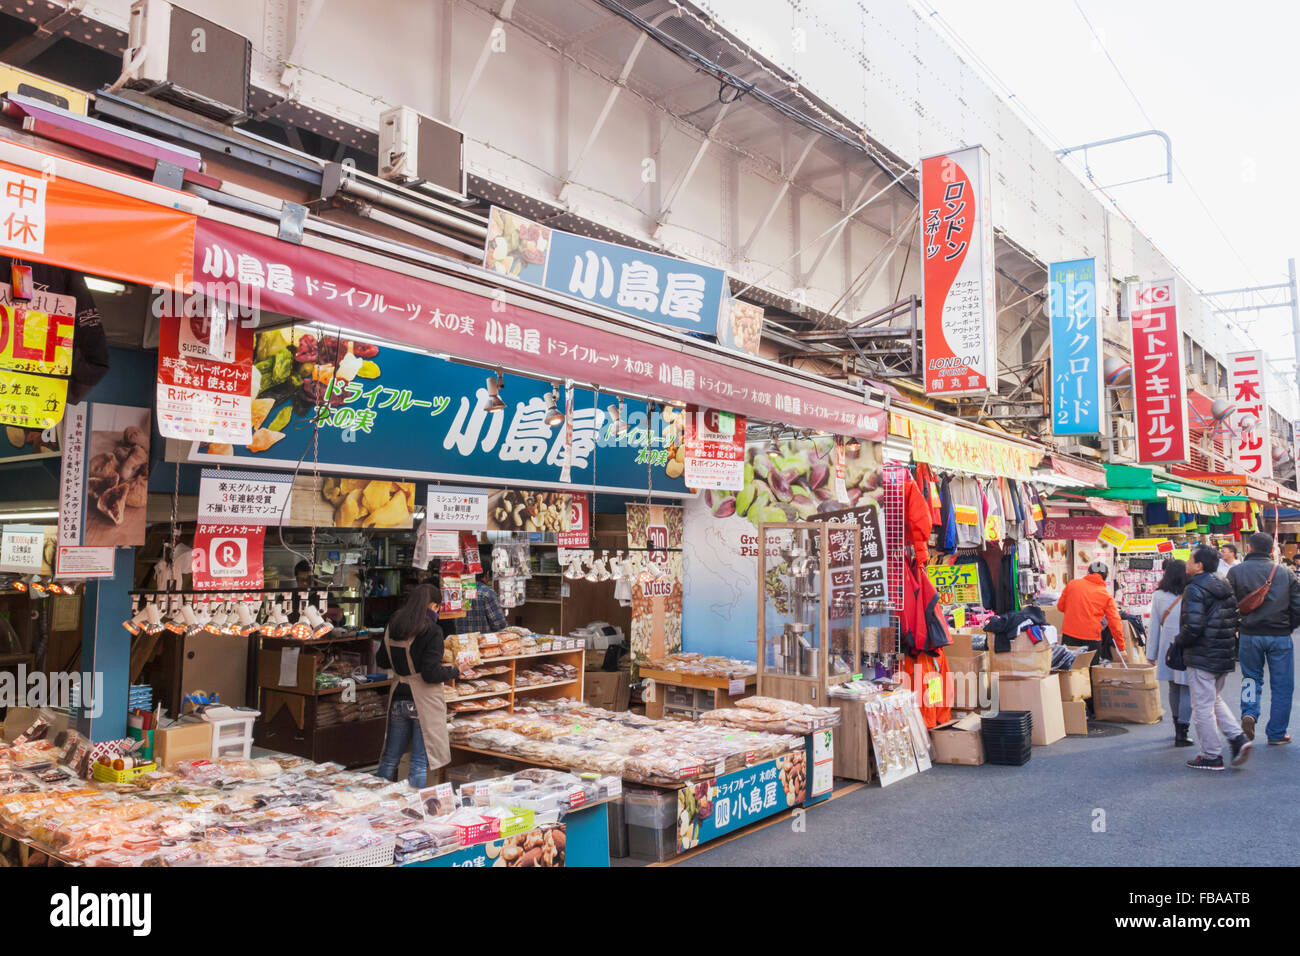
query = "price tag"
{"x": 857, "y": 677}
{"x": 736, "y": 687}
{"x": 959, "y": 616}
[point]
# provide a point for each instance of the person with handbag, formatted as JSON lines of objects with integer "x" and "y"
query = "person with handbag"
{"x": 1268, "y": 597}
{"x": 1162, "y": 649}
{"x": 1207, "y": 639}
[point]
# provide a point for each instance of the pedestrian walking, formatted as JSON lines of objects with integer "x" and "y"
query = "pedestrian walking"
{"x": 1166, "y": 604}
{"x": 1207, "y": 638}
{"x": 1092, "y": 618}
{"x": 1268, "y": 596}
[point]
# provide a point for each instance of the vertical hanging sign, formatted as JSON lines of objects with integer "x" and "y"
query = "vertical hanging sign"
{"x": 961, "y": 330}
{"x": 1076, "y": 348}
{"x": 1252, "y": 446}
{"x": 1159, "y": 388}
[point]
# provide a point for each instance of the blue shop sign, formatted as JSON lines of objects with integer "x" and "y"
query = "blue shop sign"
{"x": 1077, "y": 394}
{"x": 408, "y": 415}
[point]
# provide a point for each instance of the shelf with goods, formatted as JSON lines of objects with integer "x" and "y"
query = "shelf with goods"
{"x": 567, "y": 687}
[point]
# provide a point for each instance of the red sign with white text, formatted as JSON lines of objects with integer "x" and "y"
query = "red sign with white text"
{"x": 1252, "y": 446}
{"x": 228, "y": 557}
{"x": 578, "y": 534}
{"x": 715, "y": 449}
{"x": 1159, "y": 389}
{"x": 961, "y": 329}
{"x": 205, "y": 379}
{"x": 433, "y": 314}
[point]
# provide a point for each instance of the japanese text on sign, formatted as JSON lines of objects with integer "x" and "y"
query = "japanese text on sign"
{"x": 1076, "y": 348}
{"x": 1252, "y": 446}
{"x": 1160, "y": 398}
{"x": 241, "y": 497}
{"x": 22, "y": 212}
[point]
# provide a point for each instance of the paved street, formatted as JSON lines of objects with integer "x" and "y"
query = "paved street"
{"x": 1157, "y": 812}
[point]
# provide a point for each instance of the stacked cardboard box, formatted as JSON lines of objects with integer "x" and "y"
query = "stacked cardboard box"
{"x": 1126, "y": 694}
{"x": 970, "y": 672}
{"x": 1076, "y": 688}
{"x": 958, "y": 742}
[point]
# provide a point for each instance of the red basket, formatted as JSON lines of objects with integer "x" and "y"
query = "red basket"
{"x": 488, "y": 829}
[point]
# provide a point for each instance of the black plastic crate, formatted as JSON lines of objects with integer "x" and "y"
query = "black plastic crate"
{"x": 1009, "y": 759}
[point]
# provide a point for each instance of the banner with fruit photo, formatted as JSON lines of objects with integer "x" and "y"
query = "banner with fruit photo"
{"x": 784, "y": 480}
{"x": 657, "y": 596}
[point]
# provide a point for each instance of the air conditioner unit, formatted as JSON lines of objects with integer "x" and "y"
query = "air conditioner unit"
{"x": 181, "y": 57}
{"x": 419, "y": 151}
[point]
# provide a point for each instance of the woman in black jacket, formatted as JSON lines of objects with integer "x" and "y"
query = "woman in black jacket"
{"x": 1207, "y": 637}
{"x": 417, "y": 711}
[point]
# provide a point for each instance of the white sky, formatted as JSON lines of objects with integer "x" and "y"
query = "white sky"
{"x": 1220, "y": 79}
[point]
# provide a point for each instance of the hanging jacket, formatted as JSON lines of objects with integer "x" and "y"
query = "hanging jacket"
{"x": 968, "y": 512}
{"x": 919, "y": 520}
{"x": 928, "y": 678}
{"x": 924, "y": 629}
{"x": 947, "y": 518}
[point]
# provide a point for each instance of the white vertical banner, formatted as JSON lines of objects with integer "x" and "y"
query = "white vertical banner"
{"x": 72, "y": 477}
{"x": 1252, "y": 441}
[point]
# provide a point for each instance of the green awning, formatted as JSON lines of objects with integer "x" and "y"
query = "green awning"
{"x": 1139, "y": 483}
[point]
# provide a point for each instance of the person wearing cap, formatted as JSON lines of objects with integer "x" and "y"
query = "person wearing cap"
{"x": 1092, "y": 620}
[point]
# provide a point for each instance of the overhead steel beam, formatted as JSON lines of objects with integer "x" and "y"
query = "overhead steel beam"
{"x": 834, "y": 237}
{"x": 689, "y": 171}
{"x": 780, "y": 194}
{"x": 507, "y": 9}
{"x": 610, "y": 100}
{"x": 23, "y": 51}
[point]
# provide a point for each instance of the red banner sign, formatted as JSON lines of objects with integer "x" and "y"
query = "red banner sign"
{"x": 715, "y": 449}
{"x": 205, "y": 380}
{"x": 1159, "y": 389}
{"x": 228, "y": 557}
{"x": 1252, "y": 446}
{"x": 578, "y": 534}
{"x": 961, "y": 329}
{"x": 319, "y": 286}
{"x": 1084, "y": 527}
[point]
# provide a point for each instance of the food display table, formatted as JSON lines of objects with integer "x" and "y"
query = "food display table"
{"x": 691, "y": 694}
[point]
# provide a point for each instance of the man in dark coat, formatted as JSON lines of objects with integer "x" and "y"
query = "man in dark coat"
{"x": 1266, "y": 638}
{"x": 1207, "y": 637}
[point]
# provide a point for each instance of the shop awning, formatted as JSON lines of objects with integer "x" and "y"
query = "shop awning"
{"x": 70, "y": 214}
{"x": 1081, "y": 474}
{"x": 493, "y": 321}
{"x": 1137, "y": 483}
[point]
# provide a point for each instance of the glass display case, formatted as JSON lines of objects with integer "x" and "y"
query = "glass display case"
{"x": 808, "y": 608}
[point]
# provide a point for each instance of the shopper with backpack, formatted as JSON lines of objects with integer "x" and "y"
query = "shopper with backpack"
{"x": 1207, "y": 640}
{"x": 1268, "y": 596}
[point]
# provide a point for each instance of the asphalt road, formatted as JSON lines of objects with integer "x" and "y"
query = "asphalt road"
{"x": 1120, "y": 800}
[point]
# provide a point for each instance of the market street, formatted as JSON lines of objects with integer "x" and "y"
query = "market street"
{"x": 1157, "y": 811}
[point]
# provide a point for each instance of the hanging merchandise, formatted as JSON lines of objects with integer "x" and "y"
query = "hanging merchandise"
{"x": 919, "y": 520}
{"x": 928, "y": 677}
{"x": 453, "y": 597}
{"x": 923, "y": 627}
{"x": 968, "y": 511}
{"x": 472, "y": 560}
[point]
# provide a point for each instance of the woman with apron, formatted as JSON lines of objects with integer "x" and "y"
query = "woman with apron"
{"x": 417, "y": 711}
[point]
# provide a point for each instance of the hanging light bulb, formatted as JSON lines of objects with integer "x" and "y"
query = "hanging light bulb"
{"x": 247, "y": 623}
{"x": 322, "y": 612}
{"x": 853, "y": 446}
{"x": 302, "y": 628}
{"x": 618, "y": 418}
{"x": 493, "y": 402}
{"x": 153, "y": 618}
{"x": 193, "y": 625}
{"x": 175, "y": 620}
{"x": 232, "y": 625}
{"x": 595, "y": 572}
{"x": 136, "y": 620}
{"x": 38, "y": 588}
{"x": 553, "y": 414}
{"x": 19, "y": 584}
{"x": 215, "y": 623}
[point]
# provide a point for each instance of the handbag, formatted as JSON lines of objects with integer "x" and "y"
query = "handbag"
{"x": 1251, "y": 602}
{"x": 1174, "y": 655}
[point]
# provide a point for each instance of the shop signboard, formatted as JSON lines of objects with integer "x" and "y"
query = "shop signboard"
{"x": 464, "y": 509}
{"x": 228, "y": 556}
{"x": 245, "y": 497}
{"x": 735, "y": 800}
{"x": 872, "y": 566}
{"x": 1159, "y": 386}
{"x": 104, "y": 479}
{"x": 1077, "y": 394}
{"x": 1084, "y": 527}
{"x": 715, "y": 449}
{"x": 1113, "y": 536}
{"x": 35, "y": 358}
{"x": 961, "y": 330}
{"x": 647, "y": 286}
{"x": 578, "y": 533}
{"x": 205, "y": 378}
{"x": 407, "y": 415}
{"x": 441, "y": 314}
{"x": 956, "y": 583}
{"x": 1252, "y": 443}
{"x": 741, "y": 327}
{"x": 85, "y": 562}
{"x": 1145, "y": 545}
{"x": 22, "y": 548}
{"x": 657, "y": 595}
{"x": 951, "y": 447}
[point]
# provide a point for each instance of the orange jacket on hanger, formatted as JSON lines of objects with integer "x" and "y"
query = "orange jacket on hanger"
{"x": 919, "y": 520}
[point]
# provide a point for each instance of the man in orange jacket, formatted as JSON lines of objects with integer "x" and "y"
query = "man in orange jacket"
{"x": 1088, "y": 605}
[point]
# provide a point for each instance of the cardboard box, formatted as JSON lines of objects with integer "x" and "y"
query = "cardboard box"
{"x": 1025, "y": 659}
{"x": 610, "y": 690}
{"x": 1143, "y": 675}
{"x": 1076, "y": 683}
{"x": 188, "y": 740}
{"x": 1054, "y": 617}
{"x": 958, "y": 742}
{"x": 963, "y": 641}
{"x": 1041, "y": 696}
{"x": 1076, "y": 717}
{"x": 1126, "y": 703}
{"x": 975, "y": 662}
{"x": 971, "y": 690}
{"x": 304, "y": 674}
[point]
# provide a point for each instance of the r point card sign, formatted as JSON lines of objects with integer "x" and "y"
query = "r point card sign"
{"x": 228, "y": 556}
{"x": 1159, "y": 386}
{"x": 961, "y": 330}
{"x": 715, "y": 449}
